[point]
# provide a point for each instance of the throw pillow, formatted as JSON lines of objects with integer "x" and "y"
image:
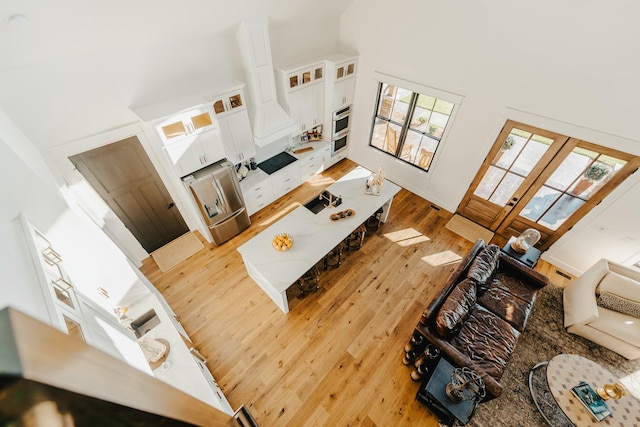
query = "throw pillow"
{"x": 619, "y": 304}
{"x": 484, "y": 264}
{"x": 455, "y": 309}
{"x": 620, "y": 285}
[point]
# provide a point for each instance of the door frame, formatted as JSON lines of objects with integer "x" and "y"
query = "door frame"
{"x": 531, "y": 178}
{"x": 65, "y": 172}
{"x": 597, "y": 141}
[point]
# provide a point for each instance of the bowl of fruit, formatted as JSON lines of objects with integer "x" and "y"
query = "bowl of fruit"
{"x": 282, "y": 242}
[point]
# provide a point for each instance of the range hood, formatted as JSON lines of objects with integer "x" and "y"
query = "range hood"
{"x": 268, "y": 119}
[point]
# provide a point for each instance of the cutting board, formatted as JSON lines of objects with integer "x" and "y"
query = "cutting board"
{"x": 303, "y": 150}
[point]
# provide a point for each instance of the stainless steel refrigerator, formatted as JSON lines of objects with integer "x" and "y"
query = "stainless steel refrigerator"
{"x": 218, "y": 196}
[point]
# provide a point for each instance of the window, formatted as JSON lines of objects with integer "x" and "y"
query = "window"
{"x": 410, "y": 124}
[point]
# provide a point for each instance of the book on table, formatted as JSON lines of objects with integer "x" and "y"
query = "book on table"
{"x": 596, "y": 406}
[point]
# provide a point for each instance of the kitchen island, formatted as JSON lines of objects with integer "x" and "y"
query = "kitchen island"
{"x": 314, "y": 235}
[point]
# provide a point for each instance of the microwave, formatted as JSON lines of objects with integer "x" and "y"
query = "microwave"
{"x": 341, "y": 122}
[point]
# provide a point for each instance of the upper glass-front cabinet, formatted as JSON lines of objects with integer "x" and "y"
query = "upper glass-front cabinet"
{"x": 346, "y": 69}
{"x": 227, "y": 103}
{"x": 305, "y": 76}
{"x": 186, "y": 124}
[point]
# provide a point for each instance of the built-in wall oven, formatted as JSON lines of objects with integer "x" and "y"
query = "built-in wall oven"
{"x": 340, "y": 130}
{"x": 341, "y": 122}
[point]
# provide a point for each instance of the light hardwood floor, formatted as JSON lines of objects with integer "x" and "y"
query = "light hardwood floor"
{"x": 335, "y": 359}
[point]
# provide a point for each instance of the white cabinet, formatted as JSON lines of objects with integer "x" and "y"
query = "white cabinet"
{"x": 222, "y": 399}
{"x": 237, "y": 136}
{"x": 73, "y": 313}
{"x": 284, "y": 181}
{"x": 228, "y": 102}
{"x": 343, "y": 91}
{"x": 195, "y": 152}
{"x": 258, "y": 195}
{"x": 185, "y": 124}
{"x": 346, "y": 69}
{"x": 191, "y": 138}
{"x": 301, "y": 108}
{"x": 306, "y": 75}
{"x": 341, "y": 81}
{"x": 313, "y": 164}
{"x": 332, "y": 160}
{"x": 301, "y": 91}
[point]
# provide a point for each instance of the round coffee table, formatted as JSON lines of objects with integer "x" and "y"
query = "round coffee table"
{"x": 565, "y": 371}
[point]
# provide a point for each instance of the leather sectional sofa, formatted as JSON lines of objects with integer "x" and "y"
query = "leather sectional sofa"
{"x": 482, "y": 310}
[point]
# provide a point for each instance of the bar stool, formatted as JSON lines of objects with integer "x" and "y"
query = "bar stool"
{"x": 334, "y": 257}
{"x": 356, "y": 238}
{"x": 308, "y": 283}
{"x": 373, "y": 222}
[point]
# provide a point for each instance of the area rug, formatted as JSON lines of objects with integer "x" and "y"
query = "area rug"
{"x": 468, "y": 229}
{"x": 543, "y": 338}
{"x": 176, "y": 251}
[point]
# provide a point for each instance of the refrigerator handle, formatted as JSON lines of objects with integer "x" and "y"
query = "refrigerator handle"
{"x": 220, "y": 194}
{"x": 229, "y": 218}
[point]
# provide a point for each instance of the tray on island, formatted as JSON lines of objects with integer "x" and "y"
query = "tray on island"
{"x": 347, "y": 213}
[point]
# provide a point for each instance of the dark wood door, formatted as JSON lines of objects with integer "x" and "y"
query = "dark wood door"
{"x": 125, "y": 178}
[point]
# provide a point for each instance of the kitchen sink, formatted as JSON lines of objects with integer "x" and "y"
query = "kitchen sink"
{"x": 145, "y": 323}
{"x": 321, "y": 201}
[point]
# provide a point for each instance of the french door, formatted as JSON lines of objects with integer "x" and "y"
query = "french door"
{"x": 533, "y": 178}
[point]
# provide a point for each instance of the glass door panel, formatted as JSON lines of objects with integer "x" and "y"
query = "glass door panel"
{"x": 519, "y": 153}
{"x": 174, "y": 130}
{"x": 235, "y": 101}
{"x": 570, "y": 186}
{"x": 201, "y": 120}
{"x": 74, "y": 328}
{"x": 218, "y": 106}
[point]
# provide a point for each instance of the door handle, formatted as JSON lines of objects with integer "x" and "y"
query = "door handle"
{"x": 510, "y": 204}
{"x": 170, "y": 205}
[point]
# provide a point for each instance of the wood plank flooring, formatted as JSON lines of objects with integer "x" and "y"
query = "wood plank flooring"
{"x": 335, "y": 359}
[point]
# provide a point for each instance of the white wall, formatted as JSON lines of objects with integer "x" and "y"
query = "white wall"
{"x": 559, "y": 60}
{"x": 18, "y": 280}
{"x": 91, "y": 259}
{"x": 89, "y": 92}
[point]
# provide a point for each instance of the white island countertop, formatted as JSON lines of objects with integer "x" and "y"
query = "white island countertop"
{"x": 314, "y": 235}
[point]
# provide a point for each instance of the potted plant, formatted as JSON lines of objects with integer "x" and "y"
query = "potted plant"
{"x": 506, "y": 145}
{"x": 593, "y": 173}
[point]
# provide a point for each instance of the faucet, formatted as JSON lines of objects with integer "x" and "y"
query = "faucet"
{"x": 333, "y": 201}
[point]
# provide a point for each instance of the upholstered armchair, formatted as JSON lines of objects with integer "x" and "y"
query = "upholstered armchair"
{"x": 603, "y": 306}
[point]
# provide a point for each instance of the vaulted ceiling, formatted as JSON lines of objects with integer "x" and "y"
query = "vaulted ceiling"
{"x": 70, "y": 69}
{"x": 66, "y": 28}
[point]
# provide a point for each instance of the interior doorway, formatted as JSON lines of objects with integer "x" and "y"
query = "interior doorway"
{"x": 123, "y": 175}
{"x": 533, "y": 178}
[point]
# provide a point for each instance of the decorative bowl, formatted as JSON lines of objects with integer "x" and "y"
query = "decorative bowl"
{"x": 282, "y": 242}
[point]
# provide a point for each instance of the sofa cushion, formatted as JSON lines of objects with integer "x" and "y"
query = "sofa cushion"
{"x": 514, "y": 285}
{"x": 506, "y": 305}
{"x": 487, "y": 340}
{"x": 620, "y": 285}
{"x": 617, "y": 325}
{"x": 455, "y": 309}
{"x": 619, "y": 304}
{"x": 484, "y": 264}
